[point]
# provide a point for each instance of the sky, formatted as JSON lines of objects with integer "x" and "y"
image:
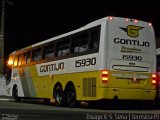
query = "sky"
{"x": 31, "y": 21}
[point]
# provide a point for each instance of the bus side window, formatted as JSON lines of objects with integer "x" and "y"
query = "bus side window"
{"x": 15, "y": 60}
{"x": 24, "y": 58}
{"x": 37, "y": 55}
{"x": 48, "y": 52}
{"x": 75, "y": 45}
{"x": 34, "y": 55}
{"x": 80, "y": 43}
{"x": 28, "y": 58}
{"x": 20, "y": 59}
{"x": 95, "y": 36}
{"x": 63, "y": 48}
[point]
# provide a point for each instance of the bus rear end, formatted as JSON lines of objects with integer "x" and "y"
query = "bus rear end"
{"x": 130, "y": 60}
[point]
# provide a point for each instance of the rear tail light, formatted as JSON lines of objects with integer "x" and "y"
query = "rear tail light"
{"x": 154, "y": 79}
{"x": 127, "y": 19}
{"x": 136, "y": 21}
{"x": 110, "y": 18}
{"x": 150, "y": 24}
{"x": 104, "y": 76}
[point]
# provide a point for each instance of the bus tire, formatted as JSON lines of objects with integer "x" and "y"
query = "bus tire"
{"x": 59, "y": 96}
{"x": 71, "y": 96}
{"x": 15, "y": 94}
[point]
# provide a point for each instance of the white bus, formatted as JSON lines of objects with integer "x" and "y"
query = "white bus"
{"x": 111, "y": 58}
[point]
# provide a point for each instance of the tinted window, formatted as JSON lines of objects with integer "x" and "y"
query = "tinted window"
{"x": 95, "y": 36}
{"x": 48, "y": 52}
{"x": 80, "y": 43}
{"x": 37, "y": 54}
{"x": 28, "y": 57}
{"x": 15, "y": 60}
{"x": 63, "y": 48}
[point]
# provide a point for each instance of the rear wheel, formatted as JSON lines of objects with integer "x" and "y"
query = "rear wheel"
{"x": 71, "y": 96}
{"x": 59, "y": 96}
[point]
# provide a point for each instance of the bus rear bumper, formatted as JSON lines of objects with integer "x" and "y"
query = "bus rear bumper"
{"x": 130, "y": 94}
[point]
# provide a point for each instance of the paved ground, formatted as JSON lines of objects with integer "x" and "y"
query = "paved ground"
{"x": 6, "y": 98}
{"x": 11, "y": 110}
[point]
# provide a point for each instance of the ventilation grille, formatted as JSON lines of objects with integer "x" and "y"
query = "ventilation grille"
{"x": 89, "y": 87}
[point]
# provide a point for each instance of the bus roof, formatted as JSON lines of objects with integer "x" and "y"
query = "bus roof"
{"x": 92, "y": 24}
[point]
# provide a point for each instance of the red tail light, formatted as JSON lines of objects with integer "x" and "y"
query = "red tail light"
{"x": 110, "y": 18}
{"x": 104, "y": 76}
{"x": 136, "y": 21}
{"x": 150, "y": 24}
{"x": 127, "y": 19}
{"x": 154, "y": 79}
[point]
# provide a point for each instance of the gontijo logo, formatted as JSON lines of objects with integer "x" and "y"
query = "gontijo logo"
{"x": 132, "y": 31}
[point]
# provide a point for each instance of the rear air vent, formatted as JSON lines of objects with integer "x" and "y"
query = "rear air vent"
{"x": 89, "y": 87}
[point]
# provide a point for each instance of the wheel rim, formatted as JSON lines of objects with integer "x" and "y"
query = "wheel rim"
{"x": 58, "y": 96}
{"x": 59, "y": 100}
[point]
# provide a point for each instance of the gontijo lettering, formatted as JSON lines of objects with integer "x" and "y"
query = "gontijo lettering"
{"x": 52, "y": 67}
{"x": 131, "y": 42}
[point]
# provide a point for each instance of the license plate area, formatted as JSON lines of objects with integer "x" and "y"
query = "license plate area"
{"x": 135, "y": 80}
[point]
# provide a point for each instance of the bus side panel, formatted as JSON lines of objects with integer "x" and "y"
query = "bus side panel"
{"x": 42, "y": 84}
{"x": 15, "y": 81}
